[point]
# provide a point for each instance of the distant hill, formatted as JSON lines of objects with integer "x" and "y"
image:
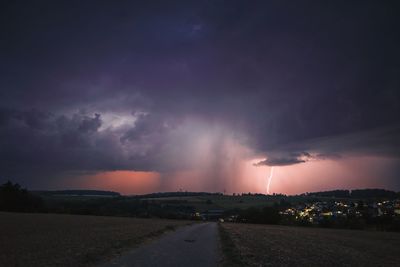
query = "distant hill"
{"x": 177, "y": 194}
{"x": 78, "y": 193}
{"x": 357, "y": 193}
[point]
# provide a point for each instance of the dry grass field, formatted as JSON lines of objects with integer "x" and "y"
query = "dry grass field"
{"x": 266, "y": 245}
{"x": 71, "y": 240}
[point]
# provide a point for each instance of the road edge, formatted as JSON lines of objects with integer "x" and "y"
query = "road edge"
{"x": 230, "y": 254}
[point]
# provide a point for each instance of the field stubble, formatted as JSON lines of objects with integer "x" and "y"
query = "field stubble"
{"x": 72, "y": 240}
{"x": 267, "y": 245}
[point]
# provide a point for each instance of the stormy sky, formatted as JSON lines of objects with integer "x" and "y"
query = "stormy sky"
{"x": 141, "y": 96}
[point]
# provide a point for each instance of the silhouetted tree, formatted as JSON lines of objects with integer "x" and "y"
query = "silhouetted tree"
{"x": 15, "y": 198}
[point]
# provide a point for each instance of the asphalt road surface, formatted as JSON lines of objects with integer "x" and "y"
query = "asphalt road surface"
{"x": 194, "y": 245}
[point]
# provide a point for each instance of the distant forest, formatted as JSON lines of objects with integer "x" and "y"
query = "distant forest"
{"x": 79, "y": 193}
{"x": 357, "y": 193}
{"x": 92, "y": 202}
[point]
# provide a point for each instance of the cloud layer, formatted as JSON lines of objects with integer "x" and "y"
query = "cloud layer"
{"x": 127, "y": 86}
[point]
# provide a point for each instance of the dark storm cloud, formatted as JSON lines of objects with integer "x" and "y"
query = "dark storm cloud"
{"x": 146, "y": 125}
{"x": 286, "y": 160}
{"x": 280, "y": 162}
{"x": 321, "y": 78}
{"x": 56, "y": 143}
{"x": 383, "y": 141}
{"x": 90, "y": 124}
{"x": 52, "y": 145}
{"x": 32, "y": 118}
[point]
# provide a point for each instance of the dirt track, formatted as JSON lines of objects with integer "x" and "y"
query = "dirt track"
{"x": 194, "y": 245}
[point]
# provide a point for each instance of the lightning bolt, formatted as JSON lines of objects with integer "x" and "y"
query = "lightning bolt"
{"x": 270, "y": 178}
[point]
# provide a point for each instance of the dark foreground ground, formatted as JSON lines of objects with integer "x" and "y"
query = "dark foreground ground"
{"x": 72, "y": 240}
{"x": 194, "y": 245}
{"x": 264, "y": 245}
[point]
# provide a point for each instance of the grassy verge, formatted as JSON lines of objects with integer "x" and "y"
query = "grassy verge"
{"x": 230, "y": 254}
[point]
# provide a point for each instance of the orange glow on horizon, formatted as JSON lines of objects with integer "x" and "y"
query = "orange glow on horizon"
{"x": 124, "y": 182}
{"x": 345, "y": 173}
{"x": 241, "y": 176}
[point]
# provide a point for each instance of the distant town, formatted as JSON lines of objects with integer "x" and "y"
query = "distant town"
{"x": 358, "y": 209}
{"x": 340, "y": 211}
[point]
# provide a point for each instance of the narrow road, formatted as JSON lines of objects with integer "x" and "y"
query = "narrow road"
{"x": 194, "y": 245}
